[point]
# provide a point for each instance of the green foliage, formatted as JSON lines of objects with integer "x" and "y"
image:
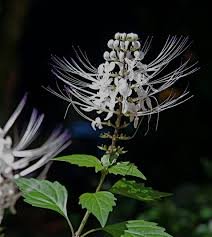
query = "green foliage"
{"x": 136, "y": 228}
{"x": 126, "y": 168}
{"x": 82, "y": 161}
{"x": 137, "y": 191}
{"x": 99, "y": 204}
{"x": 44, "y": 194}
{"x": 115, "y": 230}
{"x": 189, "y": 213}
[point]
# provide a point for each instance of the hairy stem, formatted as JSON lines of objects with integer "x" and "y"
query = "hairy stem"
{"x": 103, "y": 175}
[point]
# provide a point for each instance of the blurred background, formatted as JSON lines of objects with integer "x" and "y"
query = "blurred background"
{"x": 176, "y": 158}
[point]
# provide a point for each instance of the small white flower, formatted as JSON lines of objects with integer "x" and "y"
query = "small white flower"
{"x": 124, "y": 78}
{"x": 96, "y": 123}
{"x": 17, "y": 160}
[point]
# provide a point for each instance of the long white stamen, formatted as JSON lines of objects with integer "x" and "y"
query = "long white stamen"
{"x": 15, "y": 115}
{"x": 123, "y": 78}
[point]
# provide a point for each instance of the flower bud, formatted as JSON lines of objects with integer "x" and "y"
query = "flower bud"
{"x": 116, "y": 44}
{"x": 134, "y": 37}
{"x": 110, "y": 43}
{"x": 130, "y": 37}
{"x": 123, "y": 36}
{"x": 117, "y": 36}
{"x": 106, "y": 55}
{"x": 136, "y": 44}
{"x": 113, "y": 55}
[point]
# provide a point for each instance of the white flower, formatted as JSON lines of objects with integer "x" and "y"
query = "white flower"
{"x": 124, "y": 78}
{"x": 96, "y": 123}
{"x": 17, "y": 160}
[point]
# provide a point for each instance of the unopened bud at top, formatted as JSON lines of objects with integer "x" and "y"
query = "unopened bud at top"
{"x": 110, "y": 43}
{"x": 117, "y": 36}
{"x": 123, "y": 36}
{"x": 132, "y": 37}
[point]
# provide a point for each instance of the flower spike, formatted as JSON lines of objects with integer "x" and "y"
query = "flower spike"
{"x": 125, "y": 79}
{"x": 17, "y": 160}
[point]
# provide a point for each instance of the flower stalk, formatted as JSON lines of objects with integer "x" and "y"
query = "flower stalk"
{"x": 125, "y": 87}
{"x": 110, "y": 151}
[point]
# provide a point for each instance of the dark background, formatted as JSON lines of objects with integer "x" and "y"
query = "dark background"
{"x": 170, "y": 156}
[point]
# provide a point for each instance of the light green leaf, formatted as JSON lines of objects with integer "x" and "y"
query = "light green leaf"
{"x": 126, "y": 168}
{"x": 137, "y": 191}
{"x": 44, "y": 194}
{"x": 99, "y": 204}
{"x": 136, "y": 228}
{"x": 82, "y": 161}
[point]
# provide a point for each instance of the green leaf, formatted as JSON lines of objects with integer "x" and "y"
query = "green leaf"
{"x": 115, "y": 230}
{"x": 82, "y": 161}
{"x": 136, "y": 228}
{"x": 99, "y": 204}
{"x": 137, "y": 191}
{"x": 126, "y": 168}
{"x": 44, "y": 194}
{"x": 140, "y": 228}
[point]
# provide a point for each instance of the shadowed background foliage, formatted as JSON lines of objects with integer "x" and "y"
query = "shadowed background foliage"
{"x": 31, "y": 31}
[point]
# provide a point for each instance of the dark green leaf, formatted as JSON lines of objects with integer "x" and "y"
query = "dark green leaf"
{"x": 44, "y": 194}
{"x": 99, "y": 204}
{"x": 140, "y": 228}
{"x": 137, "y": 191}
{"x": 136, "y": 228}
{"x": 115, "y": 230}
{"x": 82, "y": 161}
{"x": 126, "y": 168}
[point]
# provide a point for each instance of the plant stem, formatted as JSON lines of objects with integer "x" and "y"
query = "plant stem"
{"x": 87, "y": 214}
{"x": 102, "y": 179}
{"x": 103, "y": 175}
{"x": 70, "y": 226}
{"x": 82, "y": 224}
{"x": 91, "y": 231}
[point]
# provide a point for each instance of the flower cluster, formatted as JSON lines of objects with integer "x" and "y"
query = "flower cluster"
{"x": 125, "y": 83}
{"x": 18, "y": 161}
